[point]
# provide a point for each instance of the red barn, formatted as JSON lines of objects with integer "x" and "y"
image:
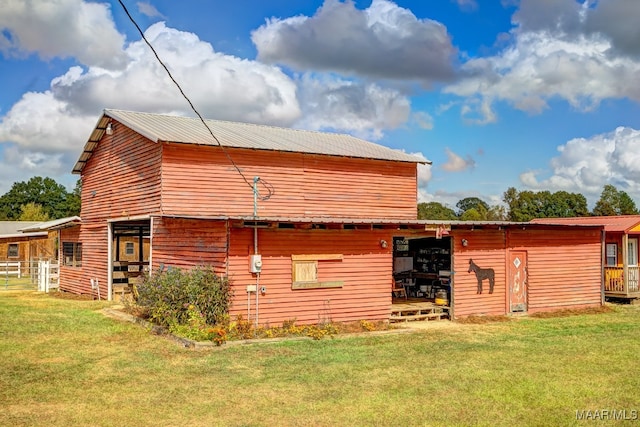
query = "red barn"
{"x": 338, "y": 230}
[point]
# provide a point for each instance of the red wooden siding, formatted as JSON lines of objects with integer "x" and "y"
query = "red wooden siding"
{"x": 201, "y": 180}
{"x": 365, "y": 269}
{"x": 122, "y": 178}
{"x": 186, "y": 243}
{"x": 486, "y": 248}
{"x": 564, "y": 267}
{"x": 72, "y": 278}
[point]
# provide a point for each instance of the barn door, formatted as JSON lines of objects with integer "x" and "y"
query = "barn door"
{"x": 517, "y": 281}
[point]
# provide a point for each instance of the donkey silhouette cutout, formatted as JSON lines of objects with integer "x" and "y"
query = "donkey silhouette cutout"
{"x": 482, "y": 274}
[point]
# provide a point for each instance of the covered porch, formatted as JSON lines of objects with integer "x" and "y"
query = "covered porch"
{"x": 130, "y": 255}
{"x": 621, "y": 271}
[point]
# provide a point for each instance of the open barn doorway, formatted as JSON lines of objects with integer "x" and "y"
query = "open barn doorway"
{"x": 130, "y": 255}
{"x": 422, "y": 276}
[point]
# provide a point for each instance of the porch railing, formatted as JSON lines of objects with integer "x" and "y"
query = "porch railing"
{"x": 614, "y": 280}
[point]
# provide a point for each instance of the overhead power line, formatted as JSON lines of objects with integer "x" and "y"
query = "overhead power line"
{"x": 269, "y": 187}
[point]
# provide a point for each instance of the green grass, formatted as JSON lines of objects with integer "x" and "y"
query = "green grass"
{"x": 64, "y": 363}
{"x": 15, "y": 283}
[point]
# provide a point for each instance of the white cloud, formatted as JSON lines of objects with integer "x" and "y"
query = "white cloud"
{"x": 467, "y": 5}
{"x": 423, "y": 119}
{"x": 149, "y": 10}
{"x": 40, "y": 123}
{"x": 586, "y": 165}
{"x": 221, "y": 86}
{"x": 559, "y": 50}
{"x": 61, "y": 28}
{"x": 384, "y": 41}
{"x": 331, "y": 103}
{"x": 456, "y": 163}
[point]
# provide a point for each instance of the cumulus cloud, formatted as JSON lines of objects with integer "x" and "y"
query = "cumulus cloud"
{"x": 383, "y": 41}
{"x": 64, "y": 28}
{"x": 456, "y": 163}
{"x": 222, "y": 86}
{"x": 43, "y": 124}
{"x": 332, "y": 103}
{"x": 585, "y": 165}
{"x": 560, "y": 49}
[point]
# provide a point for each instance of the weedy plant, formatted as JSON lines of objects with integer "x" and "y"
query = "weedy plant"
{"x": 174, "y": 298}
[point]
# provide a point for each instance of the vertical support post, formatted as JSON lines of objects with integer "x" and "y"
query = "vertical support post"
{"x": 109, "y": 261}
{"x": 625, "y": 262}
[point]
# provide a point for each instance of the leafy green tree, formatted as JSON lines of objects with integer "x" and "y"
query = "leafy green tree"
{"x": 474, "y": 214}
{"x": 435, "y": 210}
{"x": 471, "y": 203}
{"x": 613, "y": 202}
{"x": 46, "y": 192}
{"x": 496, "y": 213}
{"x": 32, "y": 212}
{"x": 526, "y": 205}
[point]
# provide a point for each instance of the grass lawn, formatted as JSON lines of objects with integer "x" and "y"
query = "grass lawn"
{"x": 15, "y": 283}
{"x": 64, "y": 363}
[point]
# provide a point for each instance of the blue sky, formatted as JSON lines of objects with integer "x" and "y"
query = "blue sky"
{"x": 537, "y": 95}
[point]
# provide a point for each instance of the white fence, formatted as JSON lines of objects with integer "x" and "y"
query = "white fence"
{"x": 13, "y": 268}
{"x": 47, "y": 276}
{"x": 35, "y": 274}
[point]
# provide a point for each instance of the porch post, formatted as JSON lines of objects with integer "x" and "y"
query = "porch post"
{"x": 625, "y": 262}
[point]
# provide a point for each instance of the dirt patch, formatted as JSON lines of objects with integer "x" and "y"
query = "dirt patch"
{"x": 572, "y": 312}
{"x": 476, "y": 320}
{"x": 70, "y": 296}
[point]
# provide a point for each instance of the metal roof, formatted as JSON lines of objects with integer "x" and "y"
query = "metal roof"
{"x": 14, "y": 227}
{"x": 189, "y": 130}
{"x": 381, "y": 221}
{"x": 50, "y": 225}
{"x": 621, "y": 223}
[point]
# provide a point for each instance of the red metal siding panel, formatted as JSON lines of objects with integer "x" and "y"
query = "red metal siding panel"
{"x": 365, "y": 269}
{"x": 186, "y": 243}
{"x": 122, "y": 178}
{"x": 486, "y": 249}
{"x": 564, "y": 267}
{"x": 201, "y": 180}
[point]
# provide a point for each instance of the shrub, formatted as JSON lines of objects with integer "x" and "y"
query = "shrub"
{"x": 173, "y": 297}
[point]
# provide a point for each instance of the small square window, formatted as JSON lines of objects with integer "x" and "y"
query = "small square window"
{"x": 128, "y": 249}
{"x": 72, "y": 254}
{"x": 12, "y": 250}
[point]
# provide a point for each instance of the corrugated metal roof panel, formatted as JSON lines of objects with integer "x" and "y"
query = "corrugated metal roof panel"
{"x": 189, "y": 130}
{"x": 53, "y": 224}
{"x": 14, "y": 227}
{"x": 620, "y": 223}
{"x": 408, "y": 222}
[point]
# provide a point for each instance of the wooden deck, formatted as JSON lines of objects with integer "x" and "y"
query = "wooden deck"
{"x": 404, "y": 311}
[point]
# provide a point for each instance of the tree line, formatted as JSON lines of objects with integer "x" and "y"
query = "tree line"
{"x": 42, "y": 199}
{"x": 39, "y": 199}
{"x": 522, "y": 206}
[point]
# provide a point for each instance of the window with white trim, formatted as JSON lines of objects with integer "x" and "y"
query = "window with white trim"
{"x": 612, "y": 254}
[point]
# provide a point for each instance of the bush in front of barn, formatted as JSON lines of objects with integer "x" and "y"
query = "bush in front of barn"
{"x": 190, "y": 303}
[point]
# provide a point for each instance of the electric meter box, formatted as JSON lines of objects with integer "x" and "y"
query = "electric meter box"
{"x": 255, "y": 263}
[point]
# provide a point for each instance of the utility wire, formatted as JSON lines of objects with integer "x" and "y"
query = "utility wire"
{"x": 269, "y": 187}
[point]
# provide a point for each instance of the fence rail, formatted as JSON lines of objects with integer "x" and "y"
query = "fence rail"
{"x": 37, "y": 274}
